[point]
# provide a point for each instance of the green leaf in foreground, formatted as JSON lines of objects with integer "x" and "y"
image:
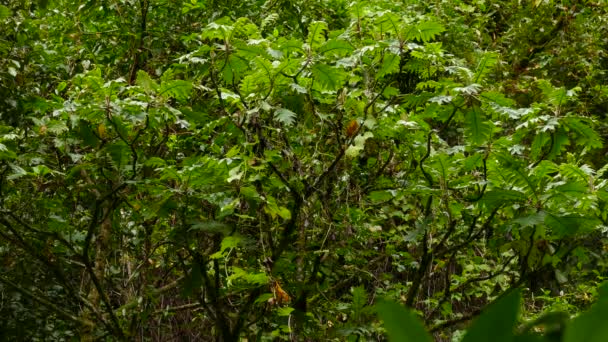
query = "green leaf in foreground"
{"x": 497, "y": 321}
{"x": 591, "y": 326}
{"x": 401, "y": 323}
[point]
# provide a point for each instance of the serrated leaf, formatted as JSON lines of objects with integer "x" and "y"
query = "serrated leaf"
{"x": 264, "y": 66}
{"x": 119, "y": 152}
{"x": 569, "y": 225}
{"x": 146, "y": 82}
{"x": 155, "y": 162}
{"x": 573, "y": 172}
{"x": 560, "y": 141}
{"x": 285, "y": 116}
{"x": 427, "y": 30}
{"x": 336, "y": 47}
{"x": 390, "y": 64}
{"x": 316, "y": 34}
{"x": 497, "y": 197}
{"x": 485, "y": 66}
{"x": 290, "y": 45}
{"x": 56, "y": 127}
{"x": 359, "y": 301}
{"x": 248, "y": 84}
{"x": 233, "y": 69}
{"x": 553, "y": 95}
{"x": 586, "y": 135}
{"x": 244, "y": 26}
{"x": 216, "y": 31}
{"x": 390, "y": 22}
{"x": 178, "y": 89}
{"x": 327, "y": 77}
{"x": 269, "y": 20}
{"x": 477, "y": 128}
{"x": 358, "y": 9}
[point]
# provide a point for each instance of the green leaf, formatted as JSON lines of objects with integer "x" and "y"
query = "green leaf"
{"x": 233, "y": 69}
{"x": 573, "y": 172}
{"x": 390, "y": 64}
{"x": 192, "y": 281}
{"x": 497, "y": 197}
{"x": 568, "y": 225}
{"x": 327, "y": 77}
{"x": 316, "y": 34}
{"x": 248, "y": 277}
{"x": 531, "y": 220}
{"x": 56, "y": 127}
{"x": 211, "y": 227}
{"x": 477, "y": 128}
{"x": 359, "y": 300}
{"x": 229, "y": 242}
{"x": 359, "y": 144}
{"x": 380, "y": 196}
{"x": 285, "y": 116}
{"x": 555, "y": 96}
{"x": 244, "y": 26}
{"x": 358, "y": 9}
{"x": 586, "y": 135}
{"x": 275, "y": 210}
{"x": 401, "y": 324}
{"x": 285, "y": 311}
{"x": 5, "y": 12}
{"x": 497, "y": 322}
{"x": 590, "y": 326}
{"x": 17, "y": 172}
{"x": 145, "y": 81}
{"x": 485, "y": 66}
{"x": 119, "y": 152}
{"x": 426, "y": 31}
{"x": 390, "y": 22}
{"x": 336, "y": 47}
{"x": 178, "y": 89}
{"x": 5, "y": 153}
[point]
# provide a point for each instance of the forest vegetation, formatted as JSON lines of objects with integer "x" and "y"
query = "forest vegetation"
{"x": 303, "y": 170}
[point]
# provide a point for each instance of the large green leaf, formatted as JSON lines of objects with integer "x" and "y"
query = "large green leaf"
{"x": 328, "y": 77}
{"x": 426, "y": 31}
{"x": 178, "y": 89}
{"x": 316, "y": 34}
{"x": 390, "y": 64}
{"x": 568, "y": 225}
{"x": 586, "y": 135}
{"x": 497, "y": 322}
{"x": 485, "y": 66}
{"x": 401, "y": 324}
{"x": 336, "y": 47}
{"x": 5, "y": 12}
{"x": 477, "y": 128}
{"x": 498, "y": 197}
{"x": 590, "y": 326}
{"x": 145, "y": 81}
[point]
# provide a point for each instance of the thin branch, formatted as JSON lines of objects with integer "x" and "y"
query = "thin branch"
{"x": 55, "y": 308}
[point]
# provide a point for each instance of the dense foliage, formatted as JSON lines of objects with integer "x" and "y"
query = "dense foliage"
{"x": 267, "y": 170}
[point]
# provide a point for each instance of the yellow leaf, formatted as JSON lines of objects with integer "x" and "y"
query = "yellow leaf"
{"x": 101, "y": 130}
